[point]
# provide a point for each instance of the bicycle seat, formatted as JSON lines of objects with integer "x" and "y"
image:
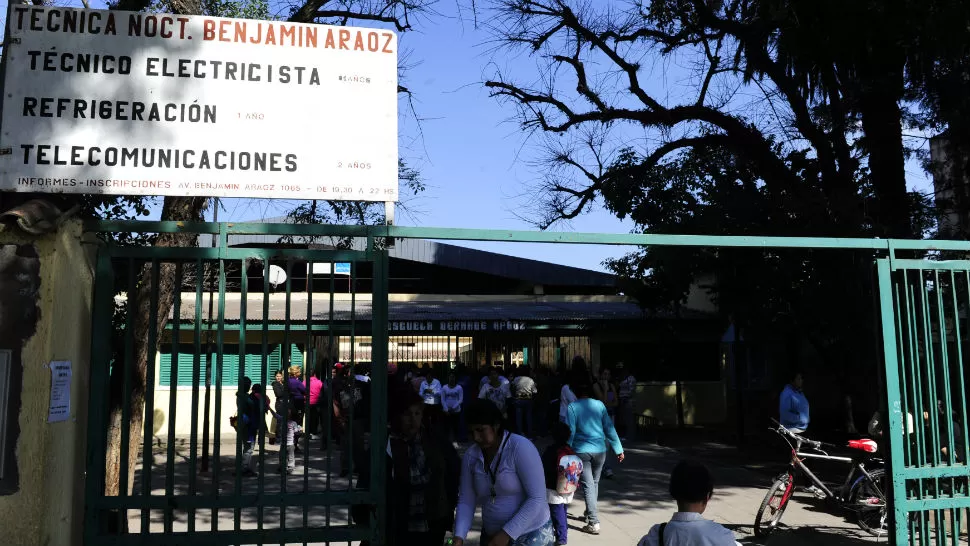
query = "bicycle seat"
{"x": 869, "y": 446}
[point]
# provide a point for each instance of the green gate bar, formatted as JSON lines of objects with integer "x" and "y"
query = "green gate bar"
{"x": 921, "y": 302}
{"x": 168, "y": 499}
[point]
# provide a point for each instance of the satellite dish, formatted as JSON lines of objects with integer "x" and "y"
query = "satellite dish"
{"x": 276, "y": 275}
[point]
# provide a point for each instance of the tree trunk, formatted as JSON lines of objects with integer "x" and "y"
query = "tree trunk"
{"x": 882, "y": 124}
{"x": 187, "y": 209}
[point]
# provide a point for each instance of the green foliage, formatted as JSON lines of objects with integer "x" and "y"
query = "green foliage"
{"x": 244, "y": 9}
{"x": 352, "y": 212}
{"x": 238, "y": 9}
{"x": 823, "y": 296}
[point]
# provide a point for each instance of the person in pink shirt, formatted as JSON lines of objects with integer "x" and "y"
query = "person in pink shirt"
{"x": 316, "y": 388}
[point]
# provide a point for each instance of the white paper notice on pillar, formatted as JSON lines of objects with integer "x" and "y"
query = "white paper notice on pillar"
{"x": 113, "y": 102}
{"x": 60, "y": 406}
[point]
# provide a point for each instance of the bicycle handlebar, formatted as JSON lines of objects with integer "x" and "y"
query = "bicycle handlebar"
{"x": 783, "y": 430}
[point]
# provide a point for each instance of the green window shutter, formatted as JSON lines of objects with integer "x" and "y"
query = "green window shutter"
{"x": 254, "y": 365}
{"x": 164, "y": 368}
{"x": 296, "y": 355}
{"x": 230, "y": 367}
{"x": 185, "y": 369}
{"x": 186, "y": 360}
{"x": 274, "y": 358}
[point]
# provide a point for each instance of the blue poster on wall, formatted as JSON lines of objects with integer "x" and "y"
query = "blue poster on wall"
{"x": 342, "y": 268}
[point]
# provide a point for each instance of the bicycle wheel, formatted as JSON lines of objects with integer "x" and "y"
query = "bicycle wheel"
{"x": 868, "y": 499}
{"x": 773, "y": 507}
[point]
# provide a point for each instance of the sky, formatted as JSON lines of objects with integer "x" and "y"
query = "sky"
{"x": 476, "y": 161}
{"x": 472, "y": 155}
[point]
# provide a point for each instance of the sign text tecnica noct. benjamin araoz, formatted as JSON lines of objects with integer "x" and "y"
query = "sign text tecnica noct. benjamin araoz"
{"x": 131, "y": 103}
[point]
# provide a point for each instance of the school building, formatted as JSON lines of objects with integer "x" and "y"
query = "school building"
{"x": 447, "y": 304}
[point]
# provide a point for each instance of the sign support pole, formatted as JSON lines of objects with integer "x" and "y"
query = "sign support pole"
{"x": 208, "y": 358}
{"x": 389, "y": 220}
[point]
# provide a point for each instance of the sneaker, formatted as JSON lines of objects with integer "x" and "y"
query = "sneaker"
{"x": 608, "y": 473}
{"x": 591, "y": 528}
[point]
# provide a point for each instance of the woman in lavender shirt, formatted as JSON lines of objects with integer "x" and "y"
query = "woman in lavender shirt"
{"x": 503, "y": 473}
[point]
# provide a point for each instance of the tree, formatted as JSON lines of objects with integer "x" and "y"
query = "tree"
{"x": 940, "y": 79}
{"x": 810, "y": 100}
{"x": 783, "y": 118}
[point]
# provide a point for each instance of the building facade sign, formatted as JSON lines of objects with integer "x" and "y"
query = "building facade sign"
{"x": 112, "y": 102}
{"x": 452, "y": 326}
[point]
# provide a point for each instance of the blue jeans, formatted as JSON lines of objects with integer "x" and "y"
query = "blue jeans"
{"x": 592, "y": 468}
{"x": 560, "y": 524}
{"x": 523, "y": 412}
{"x": 543, "y": 536}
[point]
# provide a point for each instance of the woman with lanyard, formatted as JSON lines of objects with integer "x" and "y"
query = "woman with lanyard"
{"x": 502, "y": 472}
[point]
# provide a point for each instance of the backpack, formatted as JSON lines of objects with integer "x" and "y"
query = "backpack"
{"x": 350, "y": 395}
{"x": 570, "y": 469}
{"x": 356, "y": 395}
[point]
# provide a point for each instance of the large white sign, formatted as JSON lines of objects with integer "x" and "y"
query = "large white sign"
{"x": 131, "y": 103}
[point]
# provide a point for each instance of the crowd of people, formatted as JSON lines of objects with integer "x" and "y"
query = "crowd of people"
{"x": 433, "y": 492}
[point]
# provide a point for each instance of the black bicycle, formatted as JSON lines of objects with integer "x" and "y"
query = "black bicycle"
{"x": 863, "y": 493}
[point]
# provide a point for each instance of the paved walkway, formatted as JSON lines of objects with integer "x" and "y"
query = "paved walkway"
{"x": 630, "y": 503}
{"x": 636, "y": 499}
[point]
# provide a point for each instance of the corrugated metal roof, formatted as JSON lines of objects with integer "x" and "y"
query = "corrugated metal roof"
{"x": 458, "y": 257}
{"x": 536, "y": 310}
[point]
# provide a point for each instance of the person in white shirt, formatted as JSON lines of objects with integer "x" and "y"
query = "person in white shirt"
{"x": 485, "y": 379}
{"x": 430, "y": 391}
{"x": 452, "y": 396}
{"x": 523, "y": 389}
{"x": 566, "y": 397}
{"x": 579, "y": 373}
{"x": 692, "y": 486}
{"x": 496, "y": 391}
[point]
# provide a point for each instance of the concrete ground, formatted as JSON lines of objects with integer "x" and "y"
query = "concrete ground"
{"x": 636, "y": 499}
{"x": 630, "y": 503}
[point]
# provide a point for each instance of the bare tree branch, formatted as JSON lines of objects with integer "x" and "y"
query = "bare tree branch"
{"x": 402, "y": 24}
{"x": 762, "y": 62}
{"x": 580, "y": 38}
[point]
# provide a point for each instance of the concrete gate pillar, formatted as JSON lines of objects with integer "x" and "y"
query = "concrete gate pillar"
{"x": 46, "y": 290}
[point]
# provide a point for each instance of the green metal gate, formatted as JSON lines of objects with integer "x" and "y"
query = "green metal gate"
{"x": 233, "y": 316}
{"x": 925, "y": 309}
